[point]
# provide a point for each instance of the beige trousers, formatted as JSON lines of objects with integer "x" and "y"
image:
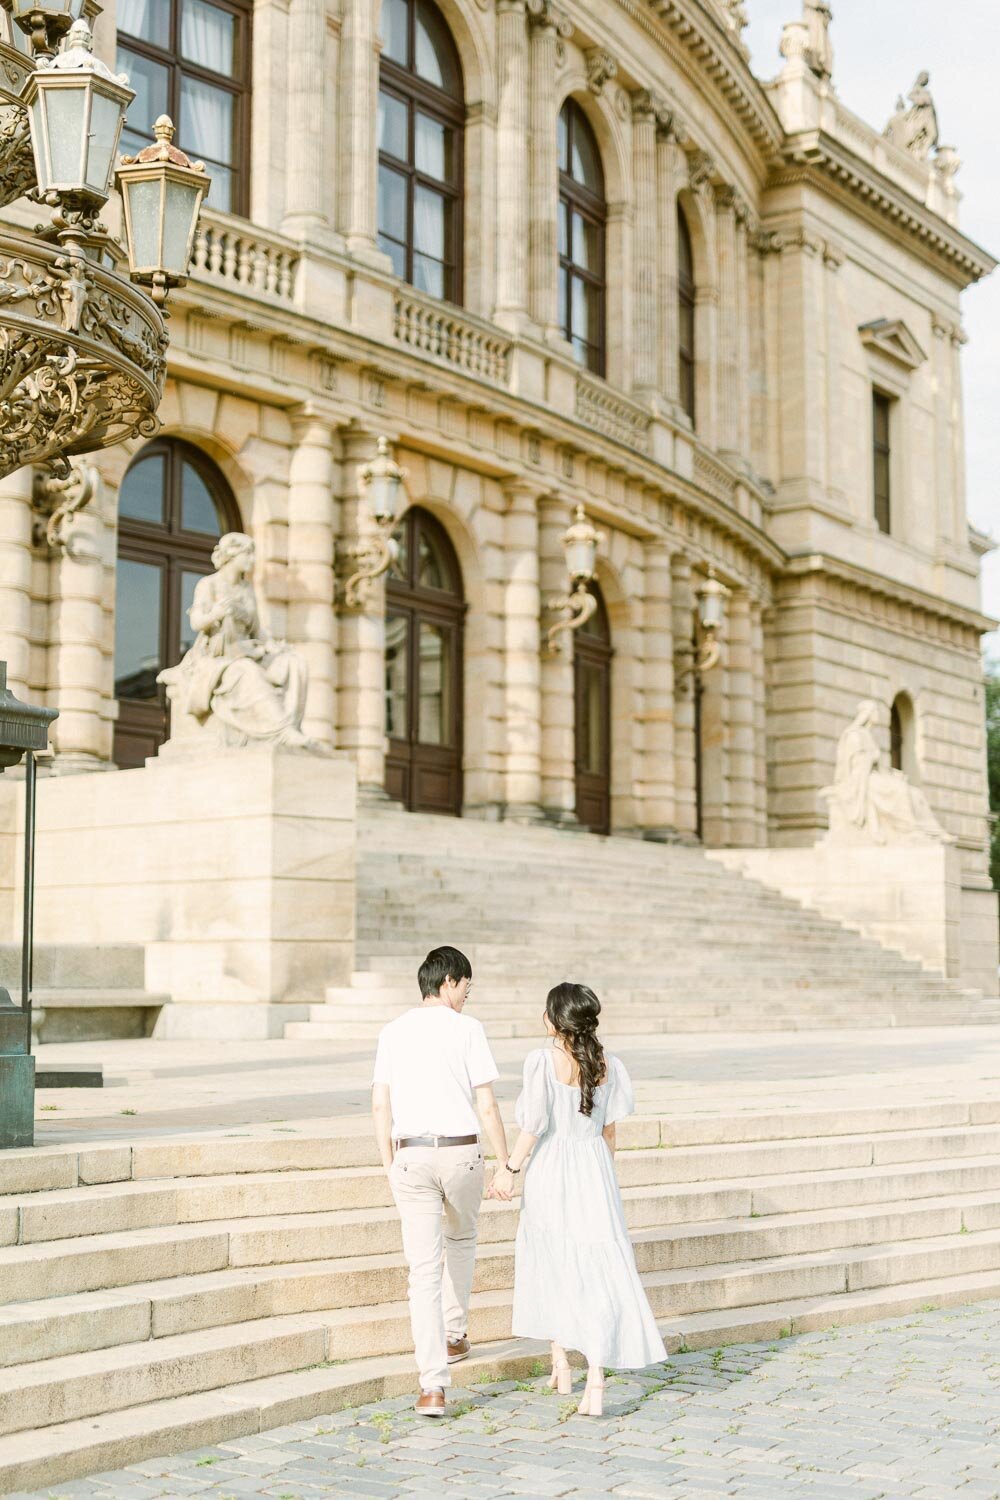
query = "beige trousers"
{"x": 439, "y": 1192}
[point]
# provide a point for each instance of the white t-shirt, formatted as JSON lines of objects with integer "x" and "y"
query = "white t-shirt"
{"x": 432, "y": 1059}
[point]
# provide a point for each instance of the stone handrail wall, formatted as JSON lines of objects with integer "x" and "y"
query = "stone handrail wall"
{"x": 711, "y": 476}
{"x": 230, "y": 253}
{"x": 615, "y": 416}
{"x": 455, "y": 338}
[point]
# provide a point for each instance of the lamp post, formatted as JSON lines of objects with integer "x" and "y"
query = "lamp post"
{"x": 24, "y": 729}
{"x": 380, "y": 482}
{"x": 692, "y": 661}
{"x": 580, "y": 544}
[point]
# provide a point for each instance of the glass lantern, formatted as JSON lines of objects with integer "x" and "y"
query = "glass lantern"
{"x": 76, "y": 107}
{"x": 711, "y": 603}
{"x": 580, "y": 543}
{"x": 41, "y": 24}
{"x": 162, "y": 191}
{"x": 381, "y": 481}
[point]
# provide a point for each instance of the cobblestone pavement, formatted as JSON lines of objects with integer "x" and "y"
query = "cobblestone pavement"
{"x": 902, "y": 1410}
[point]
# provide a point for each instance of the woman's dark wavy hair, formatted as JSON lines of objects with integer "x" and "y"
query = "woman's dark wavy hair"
{"x": 574, "y": 1010}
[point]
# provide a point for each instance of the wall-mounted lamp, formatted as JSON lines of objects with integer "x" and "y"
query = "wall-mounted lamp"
{"x": 691, "y": 661}
{"x": 380, "y": 482}
{"x": 580, "y": 543}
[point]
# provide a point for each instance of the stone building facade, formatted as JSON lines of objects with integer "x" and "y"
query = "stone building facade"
{"x": 559, "y": 254}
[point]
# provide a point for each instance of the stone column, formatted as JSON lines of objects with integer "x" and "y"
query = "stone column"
{"x": 15, "y": 580}
{"x": 740, "y": 715}
{"x": 543, "y": 165}
{"x": 361, "y": 660}
{"x": 743, "y": 379}
{"x": 512, "y": 163}
{"x": 522, "y": 659}
{"x": 358, "y": 125}
{"x": 958, "y": 338}
{"x": 312, "y": 627}
{"x": 668, "y": 179}
{"x": 758, "y": 310}
{"x": 558, "y": 694}
{"x": 727, "y": 362}
{"x": 685, "y": 749}
{"x": 77, "y": 663}
{"x": 306, "y": 80}
{"x": 645, "y": 360}
{"x": 943, "y": 417}
{"x": 715, "y": 751}
{"x": 658, "y": 811}
{"x": 269, "y": 126}
{"x": 837, "y": 480}
{"x": 759, "y": 720}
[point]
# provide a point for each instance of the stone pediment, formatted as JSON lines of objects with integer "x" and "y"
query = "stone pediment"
{"x": 890, "y": 336}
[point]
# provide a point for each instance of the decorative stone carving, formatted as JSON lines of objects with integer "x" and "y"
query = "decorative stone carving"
{"x": 601, "y": 67}
{"x": 60, "y": 491}
{"x": 872, "y": 806}
{"x": 809, "y": 39}
{"x": 236, "y": 686}
{"x": 736, "y": 17}
{"x": 914, "y": 128}
{"x": 544, "y": 13}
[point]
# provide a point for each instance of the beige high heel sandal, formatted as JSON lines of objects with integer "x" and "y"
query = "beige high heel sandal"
{"x": 561, "y": 1379}
{"x": 592, "y": 1400}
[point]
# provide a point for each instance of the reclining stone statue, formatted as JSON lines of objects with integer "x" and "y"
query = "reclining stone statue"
{"x": 872, "y": 806}
{"x": 236, "y": 686}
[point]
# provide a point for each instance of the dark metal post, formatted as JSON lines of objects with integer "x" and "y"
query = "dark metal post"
{"x": 28, "y": 923}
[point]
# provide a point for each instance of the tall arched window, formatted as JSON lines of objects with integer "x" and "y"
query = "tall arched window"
{"x": 172, "y": 508}
{"x": 902, "y": 736}
{"x": 592, "y": 693}
{"x": 582, "y": 219}
{"x": 421, "y": 113}
{"x": 685, "y": 315}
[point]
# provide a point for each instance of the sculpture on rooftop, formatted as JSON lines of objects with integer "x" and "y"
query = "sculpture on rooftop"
{"x": 914, "y": 127}
{"x": 872, "y": 806}
{"x": 236, "y": 686}
{"x": 817, "y": 15}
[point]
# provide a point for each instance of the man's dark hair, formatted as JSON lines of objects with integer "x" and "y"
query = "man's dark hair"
{"x": 439, "y": 965}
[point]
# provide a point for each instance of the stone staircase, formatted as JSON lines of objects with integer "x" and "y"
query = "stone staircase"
{"x": 671, "y": 941}
{"x": 159, "y": 1296}
{"x": 85, "y": 992}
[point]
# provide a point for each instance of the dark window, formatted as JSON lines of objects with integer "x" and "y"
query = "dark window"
{"x": 592, "y": 693}
{"x": 421, "y": 113}
{"x": 190, "y": 59}
{"x": 172, "y": 508}
{"x": 881, "y": 457}
{"x": 582, "y": 218}
{"x": 896, "y": 737}
{"x": 685, "y": 315}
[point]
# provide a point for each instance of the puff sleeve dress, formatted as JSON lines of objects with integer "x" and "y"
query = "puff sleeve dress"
{"x": 575, "y": 1278}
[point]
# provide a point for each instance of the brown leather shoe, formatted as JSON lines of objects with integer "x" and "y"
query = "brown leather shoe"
{"x": 430, "y": 1403}
{"x": 458, "y": 1349}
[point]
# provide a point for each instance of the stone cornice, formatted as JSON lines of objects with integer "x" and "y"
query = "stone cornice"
{"x": 816, "y": 156}
{"x": 877, "y": 586}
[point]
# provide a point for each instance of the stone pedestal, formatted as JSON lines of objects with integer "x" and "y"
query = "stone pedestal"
{"x": 235, "y": 872}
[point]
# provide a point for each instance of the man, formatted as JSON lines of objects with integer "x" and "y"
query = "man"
{"x": 433, "y": 1072}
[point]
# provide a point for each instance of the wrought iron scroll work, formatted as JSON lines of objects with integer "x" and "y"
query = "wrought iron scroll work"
{"x": 374, "y": 555}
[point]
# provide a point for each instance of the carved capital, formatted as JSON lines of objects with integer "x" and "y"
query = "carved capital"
{"x": 601, "y": 67}
{"x": 544, "y": 16}
{"x": 701, "y": 168}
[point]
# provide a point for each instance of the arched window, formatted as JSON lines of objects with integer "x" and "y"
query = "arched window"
{"x": 421, "y": 113}
{"x": 172, "y": 508}
{"x": 582, "y": 218}
{"x": 592, "y": 691}
{"x": 685, "y": 315}
{"x": 191, "y": 61}
{"x": 423, "y": 668}
{"x": 902, "y": 749}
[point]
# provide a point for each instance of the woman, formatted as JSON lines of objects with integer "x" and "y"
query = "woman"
{"x": 575, "y": 1279}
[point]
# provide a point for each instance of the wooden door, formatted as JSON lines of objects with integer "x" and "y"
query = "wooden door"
{"x": 423, "y": 669}
{"x": 592, "y": 685}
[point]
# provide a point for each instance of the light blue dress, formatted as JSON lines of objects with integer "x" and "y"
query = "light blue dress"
{"x": 575, "y": 1278}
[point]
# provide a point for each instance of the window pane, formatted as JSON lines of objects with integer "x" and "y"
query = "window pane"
{"x": 188, "y": 633}
{"x": 148, "y": 19}
{"x": 149, "y": 79}
{"x": 397, "y": 630}
{"x": 564, "y": 301}
{"x": 392, "y": 126}
{"x": 585, "y": 310}
{"x": 433, "y": 148}
{"x": 394, "y": 18}
{"x": 220, "y": 194}
{"x": 434, "y": 669}
{"x": 593, "y": 738}
{"x": 562, "y": 139}
{"x": 206, "y": 121}
{"x": 396, "y": 252}
{"x": 685, "y": 260}
{"x": 585, "y": 166}
{"x": 391, "y": 203}
{"x": 399, "y": 567}
{"x": 431, "y": 573}
{"x": 430, "y": 216}
{"x": 208, "y": 36}
{"x": 881, "y": 416}
{"x": 434, "y": 53}
{"x": 137, "y": 629}
{"x": 141, "y": 494}
{"x": 198, "y": 512}
{"x": 586, "y": 244}
{"x": 431, "y": 276}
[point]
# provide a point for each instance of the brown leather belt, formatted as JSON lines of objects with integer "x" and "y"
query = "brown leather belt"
{"x": 437, "y": 1140}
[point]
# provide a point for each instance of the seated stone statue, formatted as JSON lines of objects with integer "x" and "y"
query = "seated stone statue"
{"x": 236, "y": 686}
{"x": 872, "y": 806}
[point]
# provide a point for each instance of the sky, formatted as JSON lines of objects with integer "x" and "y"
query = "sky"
{"x": 879, "y": 47}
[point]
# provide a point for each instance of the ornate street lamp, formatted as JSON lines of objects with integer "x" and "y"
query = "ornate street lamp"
{"x": 24, "y": 729}
{"x": 380, "y": 482}
{"x": 695, "y": 659}
{"x": 162, "y": 190}
{"x": 580, "y": 544}
{"x": 44, "y": 22}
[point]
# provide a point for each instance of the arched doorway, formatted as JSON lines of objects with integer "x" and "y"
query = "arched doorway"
{"x": 592, "y": 688}
{"x": 172, "y": 508}
{"x": 423, "y": 669}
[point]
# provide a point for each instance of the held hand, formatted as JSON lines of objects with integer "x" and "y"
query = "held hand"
{"x": 502, "y": 1185}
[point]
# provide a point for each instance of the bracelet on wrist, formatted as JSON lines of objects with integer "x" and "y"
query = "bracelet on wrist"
{"x": 512, "y": 1170}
